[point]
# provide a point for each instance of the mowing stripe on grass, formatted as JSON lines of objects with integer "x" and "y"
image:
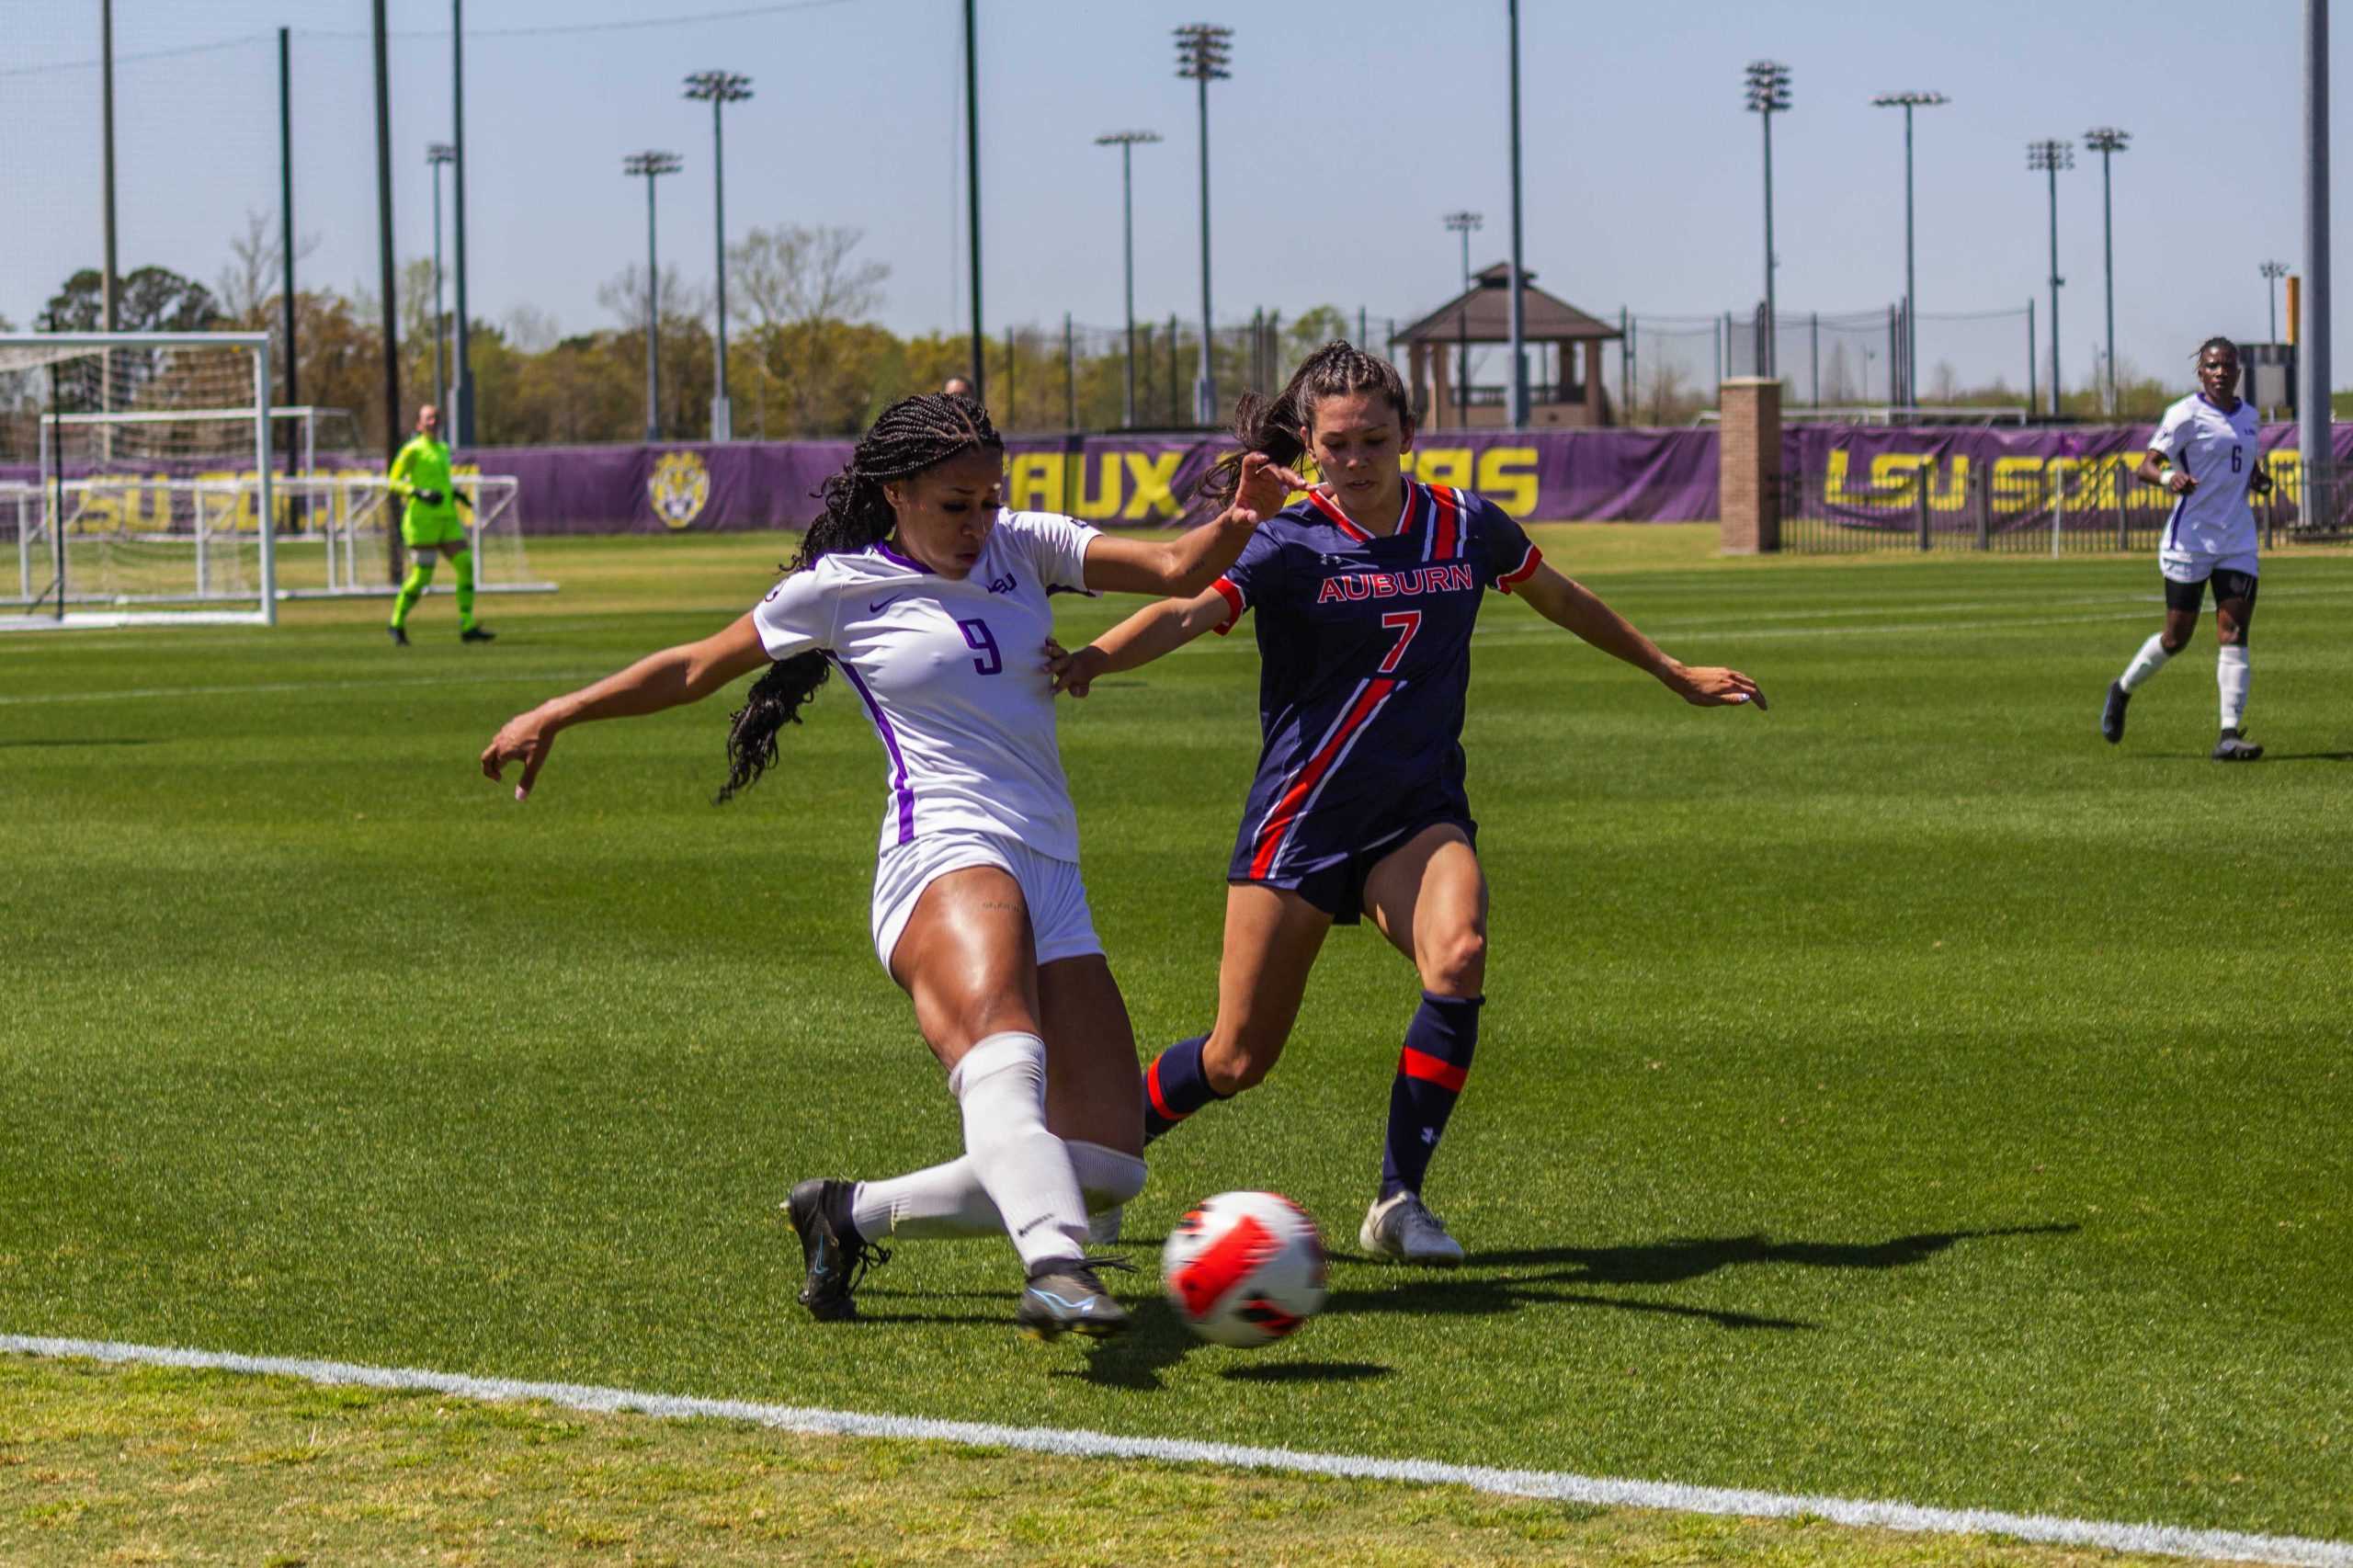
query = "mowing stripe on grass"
{"x": 501, "y": 678}
{"x": 1559, "y": 1485}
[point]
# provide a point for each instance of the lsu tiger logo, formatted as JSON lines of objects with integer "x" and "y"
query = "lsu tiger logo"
{"x": 679, "y": 487}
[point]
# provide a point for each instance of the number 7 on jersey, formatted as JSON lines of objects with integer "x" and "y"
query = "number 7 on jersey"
{"x": 1404, "y": 622}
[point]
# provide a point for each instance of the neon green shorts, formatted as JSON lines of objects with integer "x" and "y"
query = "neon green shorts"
{"x": 423, "y": 528}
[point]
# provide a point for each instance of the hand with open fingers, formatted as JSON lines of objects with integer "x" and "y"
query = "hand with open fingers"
{"x": 1712, "y": 686}
{"x": 525, "y": 738}
{"x": 1265, "y": 484}
{"x": 1073, "y": 672}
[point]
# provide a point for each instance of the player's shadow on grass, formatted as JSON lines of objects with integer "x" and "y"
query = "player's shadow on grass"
{"x": 1677, "y": 1259}
{"x": 2309, "y": 757}
{"x": 83, "y": 741}
{"x": 1158, "y": 1341}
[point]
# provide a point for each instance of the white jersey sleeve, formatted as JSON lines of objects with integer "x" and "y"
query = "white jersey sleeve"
{"x": 798, "y": 614}
{"x": 2173, "y": 431}
{"x": 1055, "y": 545}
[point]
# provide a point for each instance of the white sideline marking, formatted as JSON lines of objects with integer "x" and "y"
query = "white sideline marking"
{"x": 1559, "y": 1485}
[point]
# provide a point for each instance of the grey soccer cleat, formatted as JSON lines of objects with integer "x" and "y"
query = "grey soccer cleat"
{"x": 2234, "y": 747}
{"x": 2111, "y": 714}
{"x": 835, "y": 1263}
{"x": 1403, "y": 1230}
{"x": 1065, "y": 1295}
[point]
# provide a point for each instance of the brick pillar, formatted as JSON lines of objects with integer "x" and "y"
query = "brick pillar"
{"x": 1748, "y": 466}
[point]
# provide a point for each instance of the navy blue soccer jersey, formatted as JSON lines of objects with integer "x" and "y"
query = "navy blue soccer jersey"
{"x": 1364, "y": 646}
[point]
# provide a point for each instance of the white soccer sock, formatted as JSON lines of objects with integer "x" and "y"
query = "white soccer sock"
{"x": 2234, "y": 675}
{"x": 948, "y": 1201}
{"x": 2146, "y": 662}
{"x": 1024, "y": 1168}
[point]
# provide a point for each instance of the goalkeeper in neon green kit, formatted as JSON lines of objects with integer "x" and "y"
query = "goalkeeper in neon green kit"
{"x": 430, "y": 526}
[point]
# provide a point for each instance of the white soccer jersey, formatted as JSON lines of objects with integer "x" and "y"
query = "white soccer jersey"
{"x": 952, "y": 675}
{"x": 2220, "y": 451}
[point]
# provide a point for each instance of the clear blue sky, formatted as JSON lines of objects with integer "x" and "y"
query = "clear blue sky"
{"x": 1346, "y": 132}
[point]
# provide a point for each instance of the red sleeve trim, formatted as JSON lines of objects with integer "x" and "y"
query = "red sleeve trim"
{"x": 1233, "y": 606}
{"x": 1523, "y": 572}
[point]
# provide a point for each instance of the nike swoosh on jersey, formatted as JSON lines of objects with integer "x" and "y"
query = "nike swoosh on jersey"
{"x": 878, "y": 606}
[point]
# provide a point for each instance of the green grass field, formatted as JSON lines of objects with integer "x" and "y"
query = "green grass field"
{"x": 1897, "y": 1095}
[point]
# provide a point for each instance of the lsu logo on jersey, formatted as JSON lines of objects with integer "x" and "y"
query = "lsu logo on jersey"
{"x": 678, "y": 488}
{"x": 1454, "y": 578}
{"x": 1005, "y": 585}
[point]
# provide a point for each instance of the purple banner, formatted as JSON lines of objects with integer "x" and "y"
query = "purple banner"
{"x": 1868, "y": 477}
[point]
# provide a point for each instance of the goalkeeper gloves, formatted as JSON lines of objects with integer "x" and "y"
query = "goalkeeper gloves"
{"x": 426, "y": 497}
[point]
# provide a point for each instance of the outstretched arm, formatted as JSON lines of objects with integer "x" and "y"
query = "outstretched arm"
{"x": 687, "y": 673}
{"x": 1144, "y": 636}
{"x": 1573, "y": 608}
{"x": 1186, "y": 566}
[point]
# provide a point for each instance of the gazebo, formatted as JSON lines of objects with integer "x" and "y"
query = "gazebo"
{"x": 1563, "y": 343}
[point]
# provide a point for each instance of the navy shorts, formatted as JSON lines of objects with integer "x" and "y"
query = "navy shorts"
{"x": 1333, "y": 882}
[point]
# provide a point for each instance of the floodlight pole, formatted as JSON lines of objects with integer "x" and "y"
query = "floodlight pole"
{"x": 653, "y": 166}
{"x": 435, "y": 155}
{"x": 286, "y": 209}
{"x": 973, "y": 196}
{"x": 1465, "y": 224}
{"x": 461, "y": 426}
{"x": 1519, "y": 292}
{"x": 1203, "y": 55}
{"x": 1127, "y": 142}
{"x": 1768, "y": 95}
{"x": 2272, "y": 272}
{"x": 2106, "y": 140}
{"x": 2047, "y": 157}
{"x": 1908, "y": 102}
{"x": 391, "y": 317}
{"x": 2313, "y": 408}
{"x": 719, "y": 88}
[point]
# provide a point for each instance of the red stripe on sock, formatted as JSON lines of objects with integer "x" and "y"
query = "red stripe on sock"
{"x": 1151, "y": 1087}
{"x": 1431, "y": 1069}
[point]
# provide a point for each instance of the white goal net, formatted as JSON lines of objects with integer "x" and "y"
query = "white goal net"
{"x": 135, "y": 477}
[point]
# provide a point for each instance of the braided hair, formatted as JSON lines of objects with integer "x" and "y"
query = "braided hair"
{"x": 1279, "y": 427}
{"x": 912, "y": 435}
{"x": 2217, "y": 342}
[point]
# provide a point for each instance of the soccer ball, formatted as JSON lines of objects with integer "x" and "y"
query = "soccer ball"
{"x": 1244, "y": 1268}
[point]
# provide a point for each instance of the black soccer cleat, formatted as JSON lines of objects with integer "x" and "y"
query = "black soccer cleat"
{"x": 477, "y": 634}
{"x": 400, "y": 638}
{"x": 835, "y": 1263}
{"x": 2111, "y": 715}
{"x": 2234, "y": 747}
{"x": 1063, "y": 1296}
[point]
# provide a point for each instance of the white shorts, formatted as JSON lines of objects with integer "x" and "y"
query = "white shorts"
{"x": 1059, "y": 923}
{"x": 2196, "y": 566}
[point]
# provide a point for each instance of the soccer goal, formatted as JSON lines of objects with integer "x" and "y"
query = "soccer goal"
{"x": 135, "y": 480}
{"x": 336, "y": 530}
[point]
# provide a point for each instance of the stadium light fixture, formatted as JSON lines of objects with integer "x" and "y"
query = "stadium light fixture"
{"x": 719, "y": 88}
{"x": 653, "y": 166}
{"x": 1203, "y": 52}
{"x": 1126, "y": 142}
{"x": 435, "y": 155}
{"x": 2272, "y": 272}
{"x": 2047, "y": 158}
{"x": 2106, "y": 140}
{"x": 1908, "y": 102}
{"x": 1466, "y": 224}
{"x": 1768, "y": 95}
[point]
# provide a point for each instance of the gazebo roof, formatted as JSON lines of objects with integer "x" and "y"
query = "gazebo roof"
{"x": 1482, "y": 315}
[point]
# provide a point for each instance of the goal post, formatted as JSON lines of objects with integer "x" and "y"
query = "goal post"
{"x": 123, "y": 456}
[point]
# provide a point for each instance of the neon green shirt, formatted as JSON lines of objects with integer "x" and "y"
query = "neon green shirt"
{"x": 424, "y": 464}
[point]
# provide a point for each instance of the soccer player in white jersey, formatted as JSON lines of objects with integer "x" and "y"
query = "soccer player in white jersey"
{"x": 931, "y": 599}
{"x": 2207, "y": 453}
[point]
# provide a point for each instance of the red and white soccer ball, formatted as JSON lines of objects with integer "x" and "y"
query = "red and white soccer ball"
{"x": 1244, "y": 1268}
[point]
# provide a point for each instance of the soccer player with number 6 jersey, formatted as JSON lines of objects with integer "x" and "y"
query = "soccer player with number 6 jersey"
{"x": 2207, "y": 453}
{"x": 1366, "y": 593}
{"x": 931, "y": 599}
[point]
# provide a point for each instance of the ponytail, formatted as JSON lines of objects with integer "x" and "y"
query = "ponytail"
{"x": 1279, "y": 427}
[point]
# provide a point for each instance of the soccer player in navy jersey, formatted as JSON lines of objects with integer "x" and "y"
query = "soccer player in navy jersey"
{"x": 1365, "y": 593}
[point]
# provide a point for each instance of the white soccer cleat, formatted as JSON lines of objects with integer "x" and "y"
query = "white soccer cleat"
{"x": 1403, "y": 1230}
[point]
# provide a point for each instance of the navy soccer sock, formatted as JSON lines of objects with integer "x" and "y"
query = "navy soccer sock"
{"x": 1175, "y": 1086}
{"x": 1430, "y": 1074}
